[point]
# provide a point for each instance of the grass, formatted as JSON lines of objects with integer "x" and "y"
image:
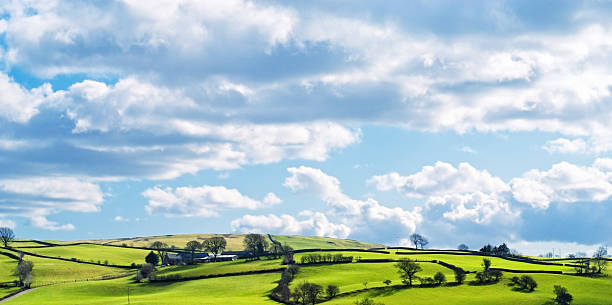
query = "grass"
{"x": 7, "y": 266}
{"x": 52, "y": 271}
{"x": 315, "y": 242}
{"x": 584, "y": 290}
{"x": 350, "y": 277}
{"x": 220, "y": 268}
{"x": 95, "y": 253}
{"x": 234, "y": 241}
{"x": 247, "y": 289}
{"x": 7, "y": 291}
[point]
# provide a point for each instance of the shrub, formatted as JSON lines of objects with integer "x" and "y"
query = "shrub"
{"x": 332, "y": 291}
{"x": 367, "y": 301}
{"x": 562, "y": 296}
{"x": 387, "y": 282}
{"x": 459, "y": 275}
{"x": 525, "y": 282}
{"x": 440, "y": 278}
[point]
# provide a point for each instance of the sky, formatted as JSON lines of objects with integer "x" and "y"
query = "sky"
{"x": 465, "y": 121}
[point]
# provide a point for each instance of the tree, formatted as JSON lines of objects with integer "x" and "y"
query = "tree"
{"x": 152, "y": 258}
{"x": 215, "y": 245}
{"x": 459, "y": 275}
{"x": 501, "y": 250}
{"x": 418, "y": 240}
{"x": 463, "y": 247}
{"x": 6, "y": 235}
{"x": 276, "y": 249}
{"x": 160, "y": 247}
{"x": 146, "y": 270}
{"x": 600, "y": 263}
{"x": 307, "y": 293}
{"x": 256, "y": 244}
{"x": 525, "y": 282}
{"x": 192, "y": 246}
{"x": 486, "y": 264}
{"x": 24, "y": 273}
{"x": 486, "y": 249}
{"x": 407, "y": 270}
{"x": 332, "y": 291}
{"x": 387, "y": 282}
{"x": 562, "y": 297}
{"x": 439, "y": 277}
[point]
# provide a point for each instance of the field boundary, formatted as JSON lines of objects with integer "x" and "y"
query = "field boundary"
{"x": 68, "y": 260}
{"x": 170, "y": 278}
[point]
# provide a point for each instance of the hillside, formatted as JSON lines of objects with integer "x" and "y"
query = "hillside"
{"x": 99, "y": 272}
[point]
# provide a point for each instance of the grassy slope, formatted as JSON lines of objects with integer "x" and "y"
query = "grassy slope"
{"x": 234, "y": 241}
{"x": 248, "y": 289}
{"x": 7, "y": 266}
{"x": 584, "y": 290}
{"x": 52, "y": 270}
{"x": 114, "y": 255}
{"x": 350, "y": 277}
{"x": 220, "y": 268}
{"x": 315, "y": 242}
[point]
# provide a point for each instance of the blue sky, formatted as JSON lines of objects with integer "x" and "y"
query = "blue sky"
{"x": 472, "y": 122}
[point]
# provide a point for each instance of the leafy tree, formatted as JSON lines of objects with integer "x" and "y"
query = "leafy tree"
{"x": 387, "y": 282}
{"x": 459, "y": 275}
{"x": 525, "y": 282}
{"x": 215, "y": 245}
{"x": 276, "y": 249}
{"x": 192, "y": 246}
{"x": 463, "y": 247}
{"x": 418, "y": 240}
{"x": 599, "y": 261}
{"x": 562, "y": 297}
{"x": 486, "y": 264}
{"x": 160, "y": 247}
{"x": 331, "y": 291}
{"x": 501, "y": 250}
{"x": 6, "y": 235}
{"x": 307, "y": 293}
{"x": 486, "y": 249}
{"x": 439, "y": 277}
{"x": 256, "y": 244}
{"x": 152, "y": 258}
{"x": 24, "y": 273}
{"x": 407, "y": 270}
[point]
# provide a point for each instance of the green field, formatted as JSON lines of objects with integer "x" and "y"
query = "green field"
{"x": 67, "y": 282}
{"x": 315, "y": 242}
{"x": 95, "y": 253}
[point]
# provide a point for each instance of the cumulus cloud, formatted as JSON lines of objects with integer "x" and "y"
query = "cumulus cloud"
{"x": 308, "y": 223}
{"x": 203, "y": 201}
{"x": 439, "y": 179}
{"x": 564, "y": 182}
{"x": 37, "y": 197}
{"x": 18, "y": 104}
{"x": 360, "y": 215}
{"x": 7, "y": 223}
{"x": 562, "y": 145}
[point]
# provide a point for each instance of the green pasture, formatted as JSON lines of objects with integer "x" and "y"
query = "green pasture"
{"x": 247, "y": 289}
{"x": 95, "y": 253}
{"x": 234, "y": 241}
{"x": 52, "y": 271}
{"x": 7, "y": 291}
{"x": 585, "y": 291}
{"x": 7, "y": 266}
{"x": 315, "y": 242}
{"x": 220, "y": 268}
{"x": 350, "y": 277}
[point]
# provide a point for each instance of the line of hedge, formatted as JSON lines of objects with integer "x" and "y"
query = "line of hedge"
{"x": 179, "y": 278}
{"x": 527, "y": 271}
{"x": 341, "y": 250}
{"x": 523, "y": 260}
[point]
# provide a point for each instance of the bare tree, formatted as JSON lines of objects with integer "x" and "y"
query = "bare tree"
{"x": 418, "y": 240}
{"x": 599, "y": 259}
{"x": 215, "y": 245}
{"x": 6, "y": 235}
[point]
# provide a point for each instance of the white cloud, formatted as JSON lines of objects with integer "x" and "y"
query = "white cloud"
{"x": 564, "y": 182}
{"x": 562, "y": 145}
{"x": 359, "y": 214}
{"x": 7, "y": 223}
{"x": 204, "y": 201}
{"x": 311, "y": 223}
{"x": 440, "y": 179}
{"x": 468, "y": 149}
{"x": 37, "y": 197}
{"x": 18, "y": 104}
{"x": 560, "y": 248}
{"x": 120, "y": 219}
{"x": 477, "y": 207}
